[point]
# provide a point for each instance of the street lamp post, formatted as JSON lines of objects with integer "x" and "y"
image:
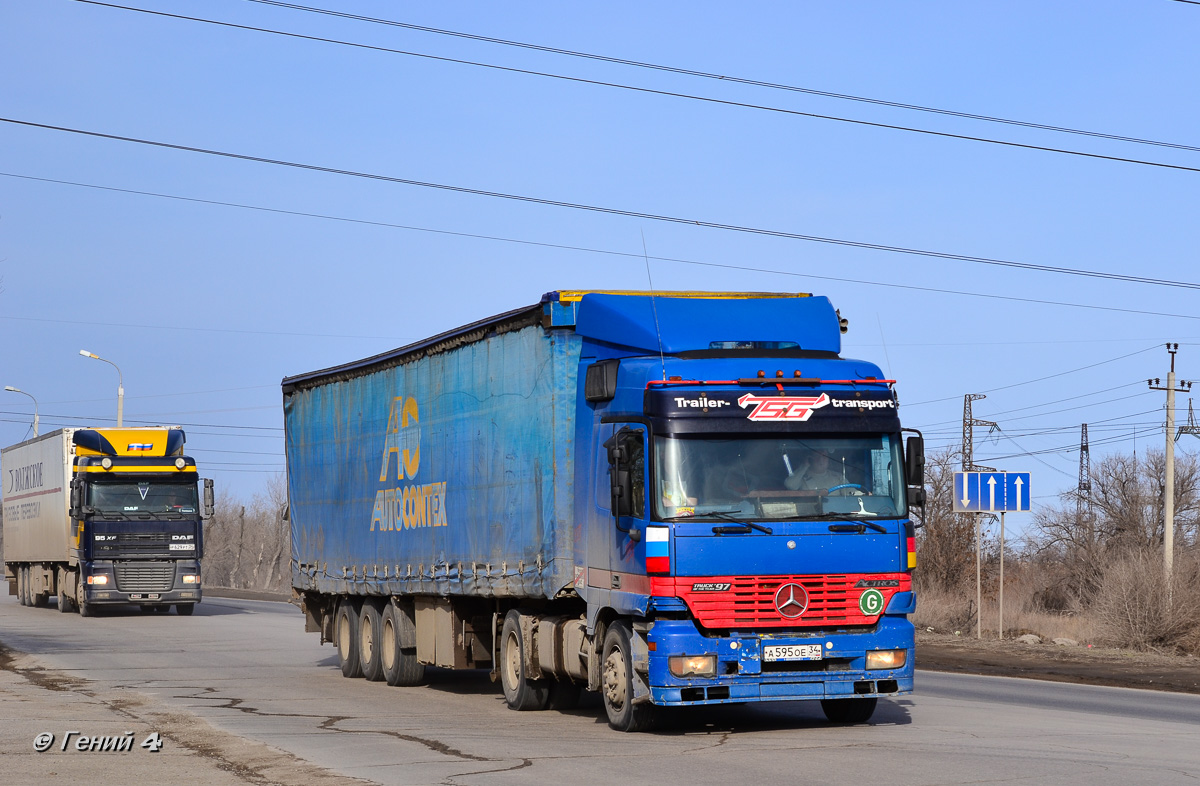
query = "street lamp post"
{"x": 120, "y": 383}
{"x": 11, "y": 389}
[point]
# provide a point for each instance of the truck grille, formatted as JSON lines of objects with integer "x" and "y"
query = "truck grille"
{"x": 129, "y": 543}
{"x": 749, "y": 602}
{"x": 145, "y": 577}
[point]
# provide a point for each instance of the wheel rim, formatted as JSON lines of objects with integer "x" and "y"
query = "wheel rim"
{"x": 512, "y": 662}
{"x": 388, "y": 644}
{"x": 366, "y": 637}
{"x": 615, "y": 678}
{"x": 343, "y": 634}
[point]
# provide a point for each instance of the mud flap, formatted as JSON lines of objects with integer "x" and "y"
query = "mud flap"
{"x": 641, "y": 663}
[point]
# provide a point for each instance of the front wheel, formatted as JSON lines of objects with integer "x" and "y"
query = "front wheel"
{"x": 520, "y": 692}
{"x": 85, "y": 609}
{"x": 849, "y": 710}
{"x": 617, "y": 682}
{"x": 185, "y": 609}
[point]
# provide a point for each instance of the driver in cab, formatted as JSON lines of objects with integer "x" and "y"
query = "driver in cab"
{"x": 821, "y": 472}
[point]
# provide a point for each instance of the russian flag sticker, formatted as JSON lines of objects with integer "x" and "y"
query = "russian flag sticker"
{"x": 658, "y": 549}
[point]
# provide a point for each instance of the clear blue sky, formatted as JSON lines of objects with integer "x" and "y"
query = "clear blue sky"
{"x": 205, "y": 307}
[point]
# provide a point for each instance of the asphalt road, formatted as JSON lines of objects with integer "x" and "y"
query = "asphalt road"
{"x": 239, "y": 673}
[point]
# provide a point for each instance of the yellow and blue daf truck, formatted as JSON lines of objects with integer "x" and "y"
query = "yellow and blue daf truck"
{"x": 104, "y": 516}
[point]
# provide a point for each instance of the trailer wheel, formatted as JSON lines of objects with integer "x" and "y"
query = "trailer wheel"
{"x": 400, "y": 665}
{"x": 345, "y": 631}
{"x": 64, "y": 603}
{"x": 520, "y": 692}
{"x": 369, "y": 644}
{"x": 85, "y": 610}
{"x": 849, "y": 710}
{"x": 616, "y": 682}
{"x": 185, "y": 609}
{"x": 22, "y": 585}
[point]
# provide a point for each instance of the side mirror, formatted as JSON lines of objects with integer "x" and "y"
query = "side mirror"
{"x": 914, "y": 461}
{"x": 76, "y": 498}
{"x": 622, "y": 492}
{"x": 206, "y": 512}
{"x": 914, "y": 469}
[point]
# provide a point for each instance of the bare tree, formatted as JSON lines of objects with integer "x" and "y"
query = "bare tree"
{"x": 945, "y": 539}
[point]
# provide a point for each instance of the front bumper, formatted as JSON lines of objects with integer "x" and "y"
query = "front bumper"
{"x": 141, "y": 582}
{"x": 742, "y": 675}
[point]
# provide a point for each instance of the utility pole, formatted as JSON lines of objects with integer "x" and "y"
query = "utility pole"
{"x": 1083, "y": 498}
{"x": 969, "y": 465}
{"x": 1169, "y": 480}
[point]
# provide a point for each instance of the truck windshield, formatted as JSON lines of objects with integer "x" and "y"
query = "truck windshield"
{"x": 839, "y": 476}
{"x": 143, "y": 497}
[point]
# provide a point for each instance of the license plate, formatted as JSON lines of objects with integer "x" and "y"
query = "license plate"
{"x": 775, "y": 652}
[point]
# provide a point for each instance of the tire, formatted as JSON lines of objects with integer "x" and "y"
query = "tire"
{"x": 185, "y": 609}
{"x": 520, "y": 692}
{"x": 38, "y": 599}
{"x": 616, "y": 682}
{"x": 85, "y": 609}
{"x": 849, "y": 710}
{"x": 22, "y": 585}
{"x": 400, "y": 666}
{"x": 369, "y": 625}
{"x": 345, "y": 636}
{"x": 65, "y": 604}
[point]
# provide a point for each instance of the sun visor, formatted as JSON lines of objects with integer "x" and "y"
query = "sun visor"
{"x": 683, "y": 324}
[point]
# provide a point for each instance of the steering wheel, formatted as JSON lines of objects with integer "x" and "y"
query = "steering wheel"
{"x": 856, "y": 489}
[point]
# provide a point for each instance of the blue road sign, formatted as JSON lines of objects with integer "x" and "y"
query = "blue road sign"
{"x": 991, "y": 492}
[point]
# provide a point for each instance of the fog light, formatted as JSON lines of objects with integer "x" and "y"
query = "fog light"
{"x": 106, "y": 462}
{"x": 97, "y": 579}
{"x": 693, "y": 665}
{"x": 886, "y": 659}
{"x": 180, "y": 463}
{"x": 191, "y": 579}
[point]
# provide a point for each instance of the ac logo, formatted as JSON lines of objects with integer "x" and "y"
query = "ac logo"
{"x": 403, "y": 438}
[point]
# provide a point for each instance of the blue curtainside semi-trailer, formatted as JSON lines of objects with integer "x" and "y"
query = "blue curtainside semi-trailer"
{"x": 672, "y": 499}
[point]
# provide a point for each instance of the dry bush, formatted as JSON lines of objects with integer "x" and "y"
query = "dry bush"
{"x": 249, "y": 546}
{"x": 1134, "y": 609}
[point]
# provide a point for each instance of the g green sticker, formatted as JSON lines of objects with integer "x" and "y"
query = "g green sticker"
{"x": 871, "y": 602}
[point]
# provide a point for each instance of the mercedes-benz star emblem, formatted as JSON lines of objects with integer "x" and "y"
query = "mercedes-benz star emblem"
{"x": 791, "y": 600}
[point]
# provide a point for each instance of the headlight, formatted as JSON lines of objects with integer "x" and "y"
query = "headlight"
{"x": 97, "y": 579}
{"x": 693, "y": 665}
{"x": 886, "y": 659}
{"x": 191, "y": 579}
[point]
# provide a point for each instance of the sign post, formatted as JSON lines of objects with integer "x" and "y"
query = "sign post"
{"x": 990, "y": 492}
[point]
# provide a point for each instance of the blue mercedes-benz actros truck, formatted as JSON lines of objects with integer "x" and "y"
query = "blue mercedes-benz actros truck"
{"x": 673, "y": 499}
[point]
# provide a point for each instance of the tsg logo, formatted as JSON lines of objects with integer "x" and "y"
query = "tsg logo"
{"x": 798, "y": 408}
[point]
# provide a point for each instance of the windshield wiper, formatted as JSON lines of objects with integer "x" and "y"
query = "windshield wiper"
{"x": 741, "y": 528}
{"x": 859, "y": 528}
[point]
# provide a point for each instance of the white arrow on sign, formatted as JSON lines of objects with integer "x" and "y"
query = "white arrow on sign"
{"x": 1019, "y": 484}
{"x": 992, "y": 493}
{"x": 966, "y": 500}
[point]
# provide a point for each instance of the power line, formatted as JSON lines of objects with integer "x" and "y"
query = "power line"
{"x": 541, "y": 244}
{"x": 650, "y": 91}
{"x": 1040, "y": 379}
{"x": 725, "y": 78}
{"x": 613, "y": 211}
